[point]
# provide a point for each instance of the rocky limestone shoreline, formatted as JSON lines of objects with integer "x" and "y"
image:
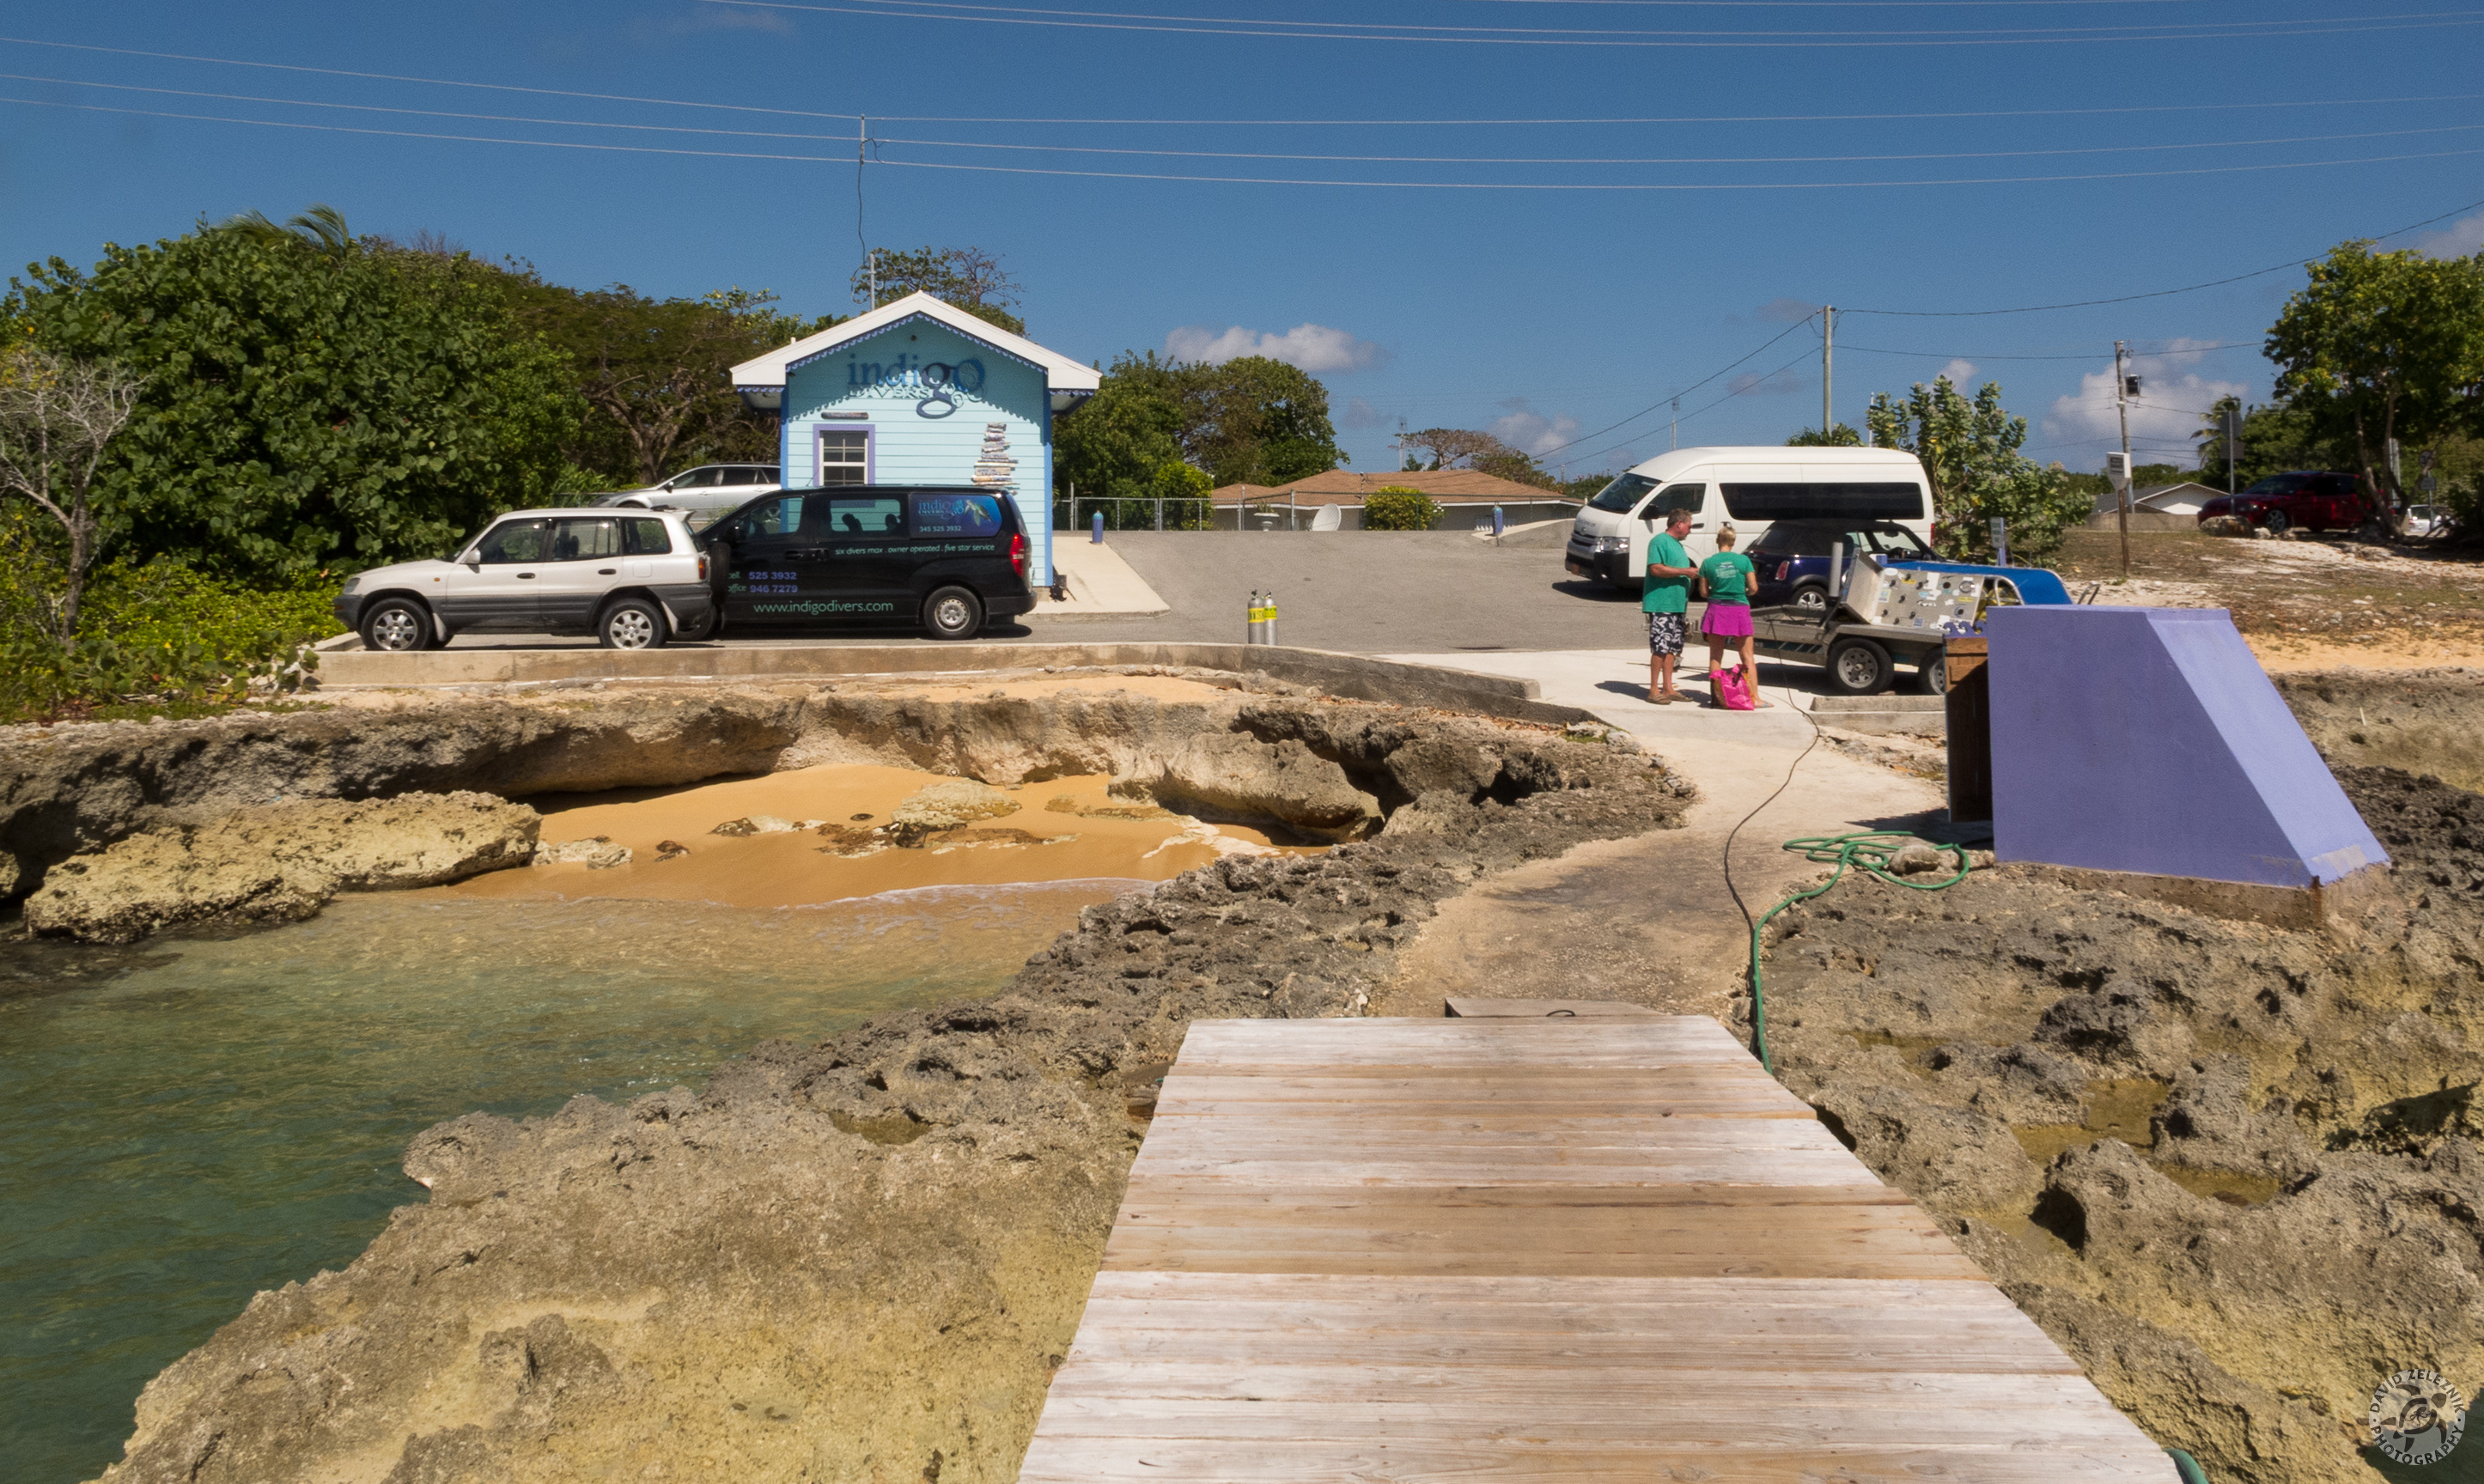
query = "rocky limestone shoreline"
{"x": 1263, "y": 756}
{"x": 277, "y": 863}
{"x": 2235, "y": 1171}
{"x": 858, "y": 1260}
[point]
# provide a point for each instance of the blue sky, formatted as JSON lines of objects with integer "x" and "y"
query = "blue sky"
{"x": 1545, "y": 314}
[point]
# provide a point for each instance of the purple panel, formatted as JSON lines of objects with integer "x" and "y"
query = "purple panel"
{"x": 2149, "y": 740}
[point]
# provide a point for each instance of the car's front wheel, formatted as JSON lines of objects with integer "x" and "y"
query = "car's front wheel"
{"x": 632, "y": 623}
{"x": 2277, "y": 523}
{"x": 1812, "y": 597}
{"x": 953, "y": 613}
{"x": 398, "y": 624}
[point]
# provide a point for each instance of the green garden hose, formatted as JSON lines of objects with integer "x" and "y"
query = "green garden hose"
{"x": 2188, "y": 1467}
{"x": 1872, "y": 849}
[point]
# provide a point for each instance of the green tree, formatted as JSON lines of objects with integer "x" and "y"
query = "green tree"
{"x": 1480, "y": 451}
{"x": 1839, "y": 435}
{"x": 653, "y": 372}
{"x": 1112, "y": 446}
{"x": 1970, "y": 446}
{"x": 311, "y": 400}
{"x": 1398, "y": 507}
{"x": 1255, "y": 420}
{"x": 2382, "y": 345}
{"x": 967, "y": 278}
{"x": 2276, "y": 438}
{"x": 1249, "y": 421}
{"x": 1184, "y": 488}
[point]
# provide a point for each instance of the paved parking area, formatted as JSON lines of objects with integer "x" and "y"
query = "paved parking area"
{"x": 1356, "y": 592}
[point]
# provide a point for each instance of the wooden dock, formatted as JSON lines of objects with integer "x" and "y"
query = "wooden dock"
{"x": 1564, "y": 1250}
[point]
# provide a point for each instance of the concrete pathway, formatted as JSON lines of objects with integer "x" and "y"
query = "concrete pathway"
{"x": 1653, "y": 920}
{"x": 1101, "y": 585}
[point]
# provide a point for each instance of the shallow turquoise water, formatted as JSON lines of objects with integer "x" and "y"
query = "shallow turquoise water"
{"x": 192, "y": 1124}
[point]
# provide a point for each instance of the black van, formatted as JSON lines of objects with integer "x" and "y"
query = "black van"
{"x": 945, "y": 559}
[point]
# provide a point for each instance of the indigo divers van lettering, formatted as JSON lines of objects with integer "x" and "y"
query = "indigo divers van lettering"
{"x": 816, "y": 607}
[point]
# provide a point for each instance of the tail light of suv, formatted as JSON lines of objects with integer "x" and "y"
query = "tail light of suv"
{"x": 702, "y": 576}
{"x": 1018, "y": 553}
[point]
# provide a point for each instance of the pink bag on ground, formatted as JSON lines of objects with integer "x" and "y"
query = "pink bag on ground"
{"x": 1733, "y": 689}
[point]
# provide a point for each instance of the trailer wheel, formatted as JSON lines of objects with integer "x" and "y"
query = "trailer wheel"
{"x": 1857, "y": 668}
{"x": 1933, "y": 675}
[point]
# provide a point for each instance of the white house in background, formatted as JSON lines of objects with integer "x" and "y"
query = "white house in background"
{"x": 2184, "y": 498}
{"x": 920, "y": 392}
{"x": 2157, "y": 507}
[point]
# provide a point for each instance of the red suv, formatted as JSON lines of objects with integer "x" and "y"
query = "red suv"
{"x": 2304, "y": 500}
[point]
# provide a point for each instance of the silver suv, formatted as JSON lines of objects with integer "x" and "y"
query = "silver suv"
{"x": 634, "y": 579}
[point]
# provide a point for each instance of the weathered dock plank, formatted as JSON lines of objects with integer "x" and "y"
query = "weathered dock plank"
{"x": 1532, "y": 1249}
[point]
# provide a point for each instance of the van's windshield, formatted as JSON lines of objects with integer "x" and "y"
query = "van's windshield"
{"x": 1623, "y": 495}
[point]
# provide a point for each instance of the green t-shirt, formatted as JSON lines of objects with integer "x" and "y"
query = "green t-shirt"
{"x": 1729, "y": 577}
{"x": 1665, "y": 594}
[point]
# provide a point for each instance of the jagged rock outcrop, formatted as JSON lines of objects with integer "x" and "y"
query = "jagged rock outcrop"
{"x": 277, "y": 863}
{"x": 1325, "y": 768}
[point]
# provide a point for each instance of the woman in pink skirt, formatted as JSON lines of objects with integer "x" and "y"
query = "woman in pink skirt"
{"x": 1729, "y": 577}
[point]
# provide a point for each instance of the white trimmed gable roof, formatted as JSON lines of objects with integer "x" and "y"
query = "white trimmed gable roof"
{"x": 1061, "y": 373}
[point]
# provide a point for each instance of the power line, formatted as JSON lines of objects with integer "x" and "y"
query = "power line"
{"x": 1882, "y": 118}
{"x": 1504, "y": 36}
{"x": 1394, "y": 159}
{"x": 1936, "y": 355}
{"x": 1676, "y": 396}
{"x": 1601, "y": 123}
{"x": 2161, "y": 293}
{"x": 1762, "y": 186}
{"x": 1719, "y": 402}
{"x": 1417, "y": 185}
{"x": 1759, "y": 159}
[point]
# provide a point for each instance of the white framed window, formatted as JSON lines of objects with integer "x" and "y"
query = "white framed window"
{"x": 844, "y": 456}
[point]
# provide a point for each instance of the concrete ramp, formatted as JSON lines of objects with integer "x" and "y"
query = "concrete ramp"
{"x": 2150, "y": 742}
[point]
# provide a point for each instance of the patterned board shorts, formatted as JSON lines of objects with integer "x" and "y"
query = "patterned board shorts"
{"x": 1664, "y": 632}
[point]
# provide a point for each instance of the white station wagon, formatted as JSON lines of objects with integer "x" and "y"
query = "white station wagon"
{"x": 634, "y": 579}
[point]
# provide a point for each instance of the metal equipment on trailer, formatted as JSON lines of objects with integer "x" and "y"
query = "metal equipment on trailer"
{"x": 1886, "y": 615}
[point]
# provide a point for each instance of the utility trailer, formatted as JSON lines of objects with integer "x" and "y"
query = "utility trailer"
{"x": 1899, "y": 613}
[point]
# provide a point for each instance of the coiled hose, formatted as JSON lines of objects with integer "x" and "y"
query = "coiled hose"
{"x": 1871, "y": 850}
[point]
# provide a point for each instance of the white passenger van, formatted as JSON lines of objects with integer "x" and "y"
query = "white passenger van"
{"x": 1749, "y": 488}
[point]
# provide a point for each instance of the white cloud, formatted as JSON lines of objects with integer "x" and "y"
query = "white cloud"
{"x": 1360, "y": 414}
{"x": 1529, "y": 431}
{"x": 2456, "y": 240}
{"x": 1959, "y": 371}
{"x": 2173, "y": 397}
{"x": 1315, "y": 348}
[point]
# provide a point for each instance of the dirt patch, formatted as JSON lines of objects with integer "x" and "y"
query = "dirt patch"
{"x": 2310, "y": 604}
{"x": 2427, "y": 722}
{"x": 2234, "y": 1171}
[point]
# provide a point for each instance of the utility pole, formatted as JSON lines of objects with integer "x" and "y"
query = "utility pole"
{"x": 1673, "y": 435}
{"x": 2121, "y": 405}
{"x": 1828, "y": 340}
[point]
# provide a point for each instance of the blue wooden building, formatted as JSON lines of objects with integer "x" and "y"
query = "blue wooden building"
{"x": 920, "y": 392}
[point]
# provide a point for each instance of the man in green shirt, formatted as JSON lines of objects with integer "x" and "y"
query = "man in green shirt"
{"x": 1667, "y": 602}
